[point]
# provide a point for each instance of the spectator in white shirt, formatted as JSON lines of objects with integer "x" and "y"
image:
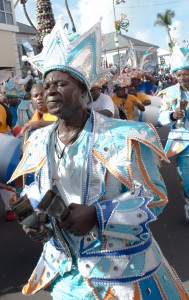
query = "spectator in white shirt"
{"x": 101, "y": 103}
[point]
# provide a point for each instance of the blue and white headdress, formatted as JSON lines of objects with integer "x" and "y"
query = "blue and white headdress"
{"x": 80, "y": 56}
{"x": 179, "y": 59}
{"x": 14, "y": 89}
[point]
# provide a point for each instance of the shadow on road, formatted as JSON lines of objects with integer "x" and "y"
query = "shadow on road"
{"x": 18, "y": 257}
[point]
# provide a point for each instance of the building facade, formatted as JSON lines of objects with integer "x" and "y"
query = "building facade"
{"x": 9, "y": 58}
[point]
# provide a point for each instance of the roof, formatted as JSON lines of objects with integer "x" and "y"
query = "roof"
{"x": 27, "y": 29}
{"x": 109, "y": 42}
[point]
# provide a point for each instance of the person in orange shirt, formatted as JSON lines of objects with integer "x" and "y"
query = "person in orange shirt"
{"x": 144, "y": 98}
{"x": 5, "y": 119}
{"x": 7, "y": 192}
{"x": 41, "y": 117}
{"x": 126, "y": 102}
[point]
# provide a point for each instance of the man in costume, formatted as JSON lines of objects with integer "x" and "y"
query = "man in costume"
{"x": 106, "y": 172}
{"x": 175, "y": 112}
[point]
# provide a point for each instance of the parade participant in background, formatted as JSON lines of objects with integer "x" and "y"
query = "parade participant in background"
{"x": 145, "y": 83}
{"x": 13, "y": 103}
{"x": 144, "y": 98}
{"x": 25, "y": 110}
{"x": 102, "y": 103}
{"x": 126, "y": 102}
{"x": 19, "y": 102}
{"x": 14, "y": 92}
{"x": 173, "y": 113}
{"x": 41, "y": 117}
{"x": 105, "y": 170}
{"x": 5, "y": 118}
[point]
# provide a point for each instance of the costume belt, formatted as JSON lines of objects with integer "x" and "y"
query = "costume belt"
{"x": 125, "y": 252}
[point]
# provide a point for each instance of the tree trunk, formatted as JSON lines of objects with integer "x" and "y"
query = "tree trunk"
{"x": 16, "y": 3}
{"x": 170, "y": 38}
{"x": 27, "y": 16}
{"x": 70, "y": 16}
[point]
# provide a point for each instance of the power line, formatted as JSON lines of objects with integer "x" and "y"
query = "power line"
{"x": 153, "y": 4}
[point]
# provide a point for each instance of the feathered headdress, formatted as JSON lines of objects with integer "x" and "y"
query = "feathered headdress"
{"x": 131, "y": 55}
{"x": 14, "y": 89}
{"x": 145, "y": 57}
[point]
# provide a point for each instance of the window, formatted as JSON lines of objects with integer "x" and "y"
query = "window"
{"x": 6, "y": 16}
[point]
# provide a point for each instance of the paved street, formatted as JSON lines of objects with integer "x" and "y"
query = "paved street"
{"x": 18, "y": 255}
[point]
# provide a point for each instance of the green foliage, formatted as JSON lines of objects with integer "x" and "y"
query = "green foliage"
{"x": 29, "y": 85}
{"x": 165, "y": 19}
{"x": 45, "y": 17}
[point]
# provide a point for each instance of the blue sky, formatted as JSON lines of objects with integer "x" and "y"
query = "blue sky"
{"x": 141, "y": 15}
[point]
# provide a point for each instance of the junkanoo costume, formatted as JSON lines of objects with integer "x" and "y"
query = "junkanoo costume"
{"x": 113, "y": 166}
{"x": 178, "y": 138}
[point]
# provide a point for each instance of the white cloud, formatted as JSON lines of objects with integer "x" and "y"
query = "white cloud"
{"x": 89, "y": 12}
{"x": 176, "y": 30}
{"x": 143, "y": 35}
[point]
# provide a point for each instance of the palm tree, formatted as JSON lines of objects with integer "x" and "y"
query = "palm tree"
{"x": 70, "y": 16}
{"x": 16, "y": 3}
{"x": 23, "y": 2}
{"x": 165, "y": 20}
{"x": 45, "y": 18}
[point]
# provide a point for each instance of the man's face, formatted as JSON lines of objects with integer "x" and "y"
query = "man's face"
{"x": 95, "y": 92}
{"x": 135, "y": 81}
{"x": 132, "y": 90}
{"x": 13, "y": 101}
{"x": 120, "y": 92}
{"x": 37, "y": 99}
{"x": 63, "y": 95}
{"x": 183, "y": 78}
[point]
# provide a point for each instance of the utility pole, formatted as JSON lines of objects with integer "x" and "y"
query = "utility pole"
{"x": 116, "y": 40}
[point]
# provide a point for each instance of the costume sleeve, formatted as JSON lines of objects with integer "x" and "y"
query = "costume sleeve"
{"x": 125, "y": 215}
{"x": 165, "y": 112}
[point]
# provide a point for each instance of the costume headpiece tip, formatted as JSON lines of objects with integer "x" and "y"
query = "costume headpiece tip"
{"x": 24, "y": 58}
{"x": 179, "y": 59}
{"x": 80, "y": 56}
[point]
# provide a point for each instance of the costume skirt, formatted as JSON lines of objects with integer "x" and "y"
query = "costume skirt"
{"x": 163, "y": 284}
